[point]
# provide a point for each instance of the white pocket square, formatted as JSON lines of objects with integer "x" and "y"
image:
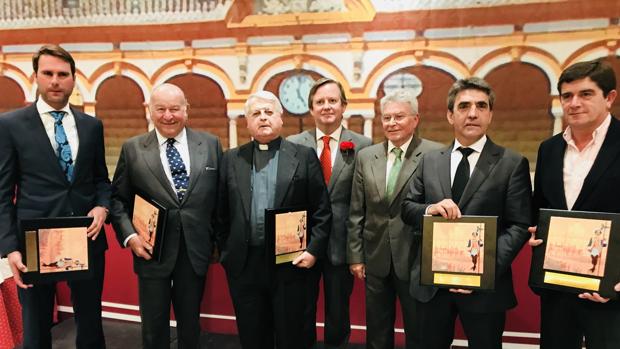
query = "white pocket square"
{"x": 208, "y": 168}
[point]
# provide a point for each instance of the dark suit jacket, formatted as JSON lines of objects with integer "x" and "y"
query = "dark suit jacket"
{"x": 299, "y": 183}
{"x": 500, "y": 186}
{"x": 140, "y": 170}
{"x": 29, "y": 163}
{"x": 377, "y": 236}
{"x": 601, "y": 189}
{"x": 339, "y": 188}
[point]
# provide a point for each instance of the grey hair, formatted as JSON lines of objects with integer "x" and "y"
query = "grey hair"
{"x": 265, "y": 95}
{"x": 401, "y": 95}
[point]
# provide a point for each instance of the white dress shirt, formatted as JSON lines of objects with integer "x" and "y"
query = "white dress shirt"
{"x": 333, "y": 143}
{"x": 577, "y": 164}
{"x": 456, "y": 156}
{"x": 391, "y": 157}
{"x": 68, "y": 123}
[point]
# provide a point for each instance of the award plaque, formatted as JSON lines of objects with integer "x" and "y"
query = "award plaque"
{"x": 580, "y": 252}
{"x": 149, "y": 221}
{"x": 55, "y": 249}
{"x": 286, "y": 233}
{"x": 459, "y": 253}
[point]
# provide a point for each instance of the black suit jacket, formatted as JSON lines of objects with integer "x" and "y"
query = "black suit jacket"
{"x": 601, "y": 189}
{"x": 499, "y": 186}
{"x": 140, "y": 171}
{"x": 29, "y": 164}
{"x": 299, "y": 183}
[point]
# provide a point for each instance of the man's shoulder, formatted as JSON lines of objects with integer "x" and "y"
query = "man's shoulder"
{"x": 207, "y": 136}
{"x": 359, "y": 139}
{"x": 428, "y": 145}
{"x": 298, "y": 137}
{"x": 371, "y": 150}
{"x": 16, "y": 115}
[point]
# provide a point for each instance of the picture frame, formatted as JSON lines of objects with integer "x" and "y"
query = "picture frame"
{"x": 459, "y": 253}
{"x": 286, "y": 234}
{"x": 56, "y": 249}
{"x": 580, "y": 252}
{"x": 149, "y": 221}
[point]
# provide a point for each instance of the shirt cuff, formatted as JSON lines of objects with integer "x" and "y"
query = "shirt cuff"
{"x": 426, "y": 209}
{"x": 128, "y": 238}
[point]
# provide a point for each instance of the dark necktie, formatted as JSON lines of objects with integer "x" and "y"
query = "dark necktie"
{"x": 326, "y": 160}
{"x": 461, "y": 177}
{"x": 177, "y": 169}
{"x": 63, "y": 149}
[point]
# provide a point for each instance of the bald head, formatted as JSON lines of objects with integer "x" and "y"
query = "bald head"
{"x": 168, "y": 108}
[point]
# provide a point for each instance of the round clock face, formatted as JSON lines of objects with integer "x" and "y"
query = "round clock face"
{"x": 294, "y": 92}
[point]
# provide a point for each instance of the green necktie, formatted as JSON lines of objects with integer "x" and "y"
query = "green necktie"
{"x": 391, "y": 184}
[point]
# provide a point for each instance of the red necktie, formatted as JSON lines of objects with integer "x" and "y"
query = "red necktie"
{"x": 326, "y": 160}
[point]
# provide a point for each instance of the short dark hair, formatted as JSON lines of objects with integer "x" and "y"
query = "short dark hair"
{"x": 472, "y": 83}
{"x": 324, "y": 81}
{"x": 53, "y": 50}
{"x": 597, "y": 70}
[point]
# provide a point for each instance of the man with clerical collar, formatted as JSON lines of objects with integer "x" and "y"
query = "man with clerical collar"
{"x": 336, "y": 148}
{"x": 471, "y": 176}
{"x": 381, "y": 247}
{"x": 578, "y": 170}
{"x": 268, "y": 173}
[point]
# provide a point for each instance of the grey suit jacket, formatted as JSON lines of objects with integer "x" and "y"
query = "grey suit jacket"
{"x": 500, "y": 186}
{"x": 377, "y": 236}
{"x": 339, "y": 188}
{"x": 140, "y": 171}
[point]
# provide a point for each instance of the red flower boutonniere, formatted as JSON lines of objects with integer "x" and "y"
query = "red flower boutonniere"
{"x": 347, "y": 146}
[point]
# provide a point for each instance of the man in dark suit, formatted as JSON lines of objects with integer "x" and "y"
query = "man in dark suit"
{"x": 269, "y": 172}
{"x": 53, "y": 164}
{"x": 579, "y": 170}
{"x": 178, "y": 168}
{"x": 327, "y": 102}
{"x": 381, "y": 247}
{"x": 472, "y": 176}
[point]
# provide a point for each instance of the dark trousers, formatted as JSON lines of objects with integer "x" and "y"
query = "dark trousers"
{"x": 566, "y": 319}
{"x": 269, "y": 303}
{"x": 437, "y": 317}
{"x": 38, "y": 308}
{"x": 381, "y": 293}
{"x": 184, "y": 288}
{"x": 337, "y": 288}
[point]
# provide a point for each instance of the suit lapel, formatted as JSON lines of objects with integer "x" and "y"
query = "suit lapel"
{"x": 443, "y": 169}
{"x": 339, "y": 164}
{"x": 409, "y": 164}
{"x": 153, "y": 162}
{"x": 287, "y": 165}
{"x": 79, "y": 125}
{"x": 556, "y": 173}
{"x": 197, "y": 158}
{"x": 243, "y": 171}
{"x": 489, "y": 157}
{"x": 610, "y": 150}
{"x": 378, "y": 169}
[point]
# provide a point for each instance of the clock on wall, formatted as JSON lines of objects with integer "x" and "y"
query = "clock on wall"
{"x": 293, "y": 93}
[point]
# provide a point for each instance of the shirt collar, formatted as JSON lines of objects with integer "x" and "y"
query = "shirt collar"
{"x": 477, "y": 146}
{"x": 272, "y": 145}
{"x": 44, "y": 108}
{"x": 180, "y": 138}
{"x": 403, "y": 147}
{"x": 335, "y": 135}
{"x": 597, "y": 135}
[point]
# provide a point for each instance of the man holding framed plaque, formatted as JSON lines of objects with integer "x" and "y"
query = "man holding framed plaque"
{"x": 265, "y": 175}
{"x": 472, "y": 176}
{"x": 578, "y": 170}
{"x": 53, "y": 165}
{"x": 170, "y": 172}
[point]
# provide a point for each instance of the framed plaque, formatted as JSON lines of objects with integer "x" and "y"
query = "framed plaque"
{"x": 580, "y": 252}
{"x": 149, "y": 221}
{"x": 56, "y": 249}
{"x": 286, "y": 233}
{"x": 459, "y": 253}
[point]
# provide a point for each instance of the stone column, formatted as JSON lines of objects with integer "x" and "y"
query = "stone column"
{"x": 233, "y": 115}
{"x": 368, "y": 118}
{"x": 557, "y": 112}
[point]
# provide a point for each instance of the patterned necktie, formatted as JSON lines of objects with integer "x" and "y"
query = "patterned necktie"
{"x": 326, "y": 159}
{"x": 461, "y": 177}
{"x": 63, "y": 150}
{"x": 177, "y": 169}
{"x": 393, "y": 177}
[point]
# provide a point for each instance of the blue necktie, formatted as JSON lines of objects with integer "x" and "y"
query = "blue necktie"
{"x": 177, "y": 169}
{"x": 63, "y": 149}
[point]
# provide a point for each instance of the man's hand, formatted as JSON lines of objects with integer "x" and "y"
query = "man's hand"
{"x": 533, "y": 240}
{"x": 446, "y": 208}
{"x": 358, "y": 270}
{"x": 17, "y": 267}
{"x": 595, "y": 297}
{"x": 304, "y": 260}
{"x": 461, "y": 291}
{"x": 99, "y": 215}
{"x": 139, "y": 247}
